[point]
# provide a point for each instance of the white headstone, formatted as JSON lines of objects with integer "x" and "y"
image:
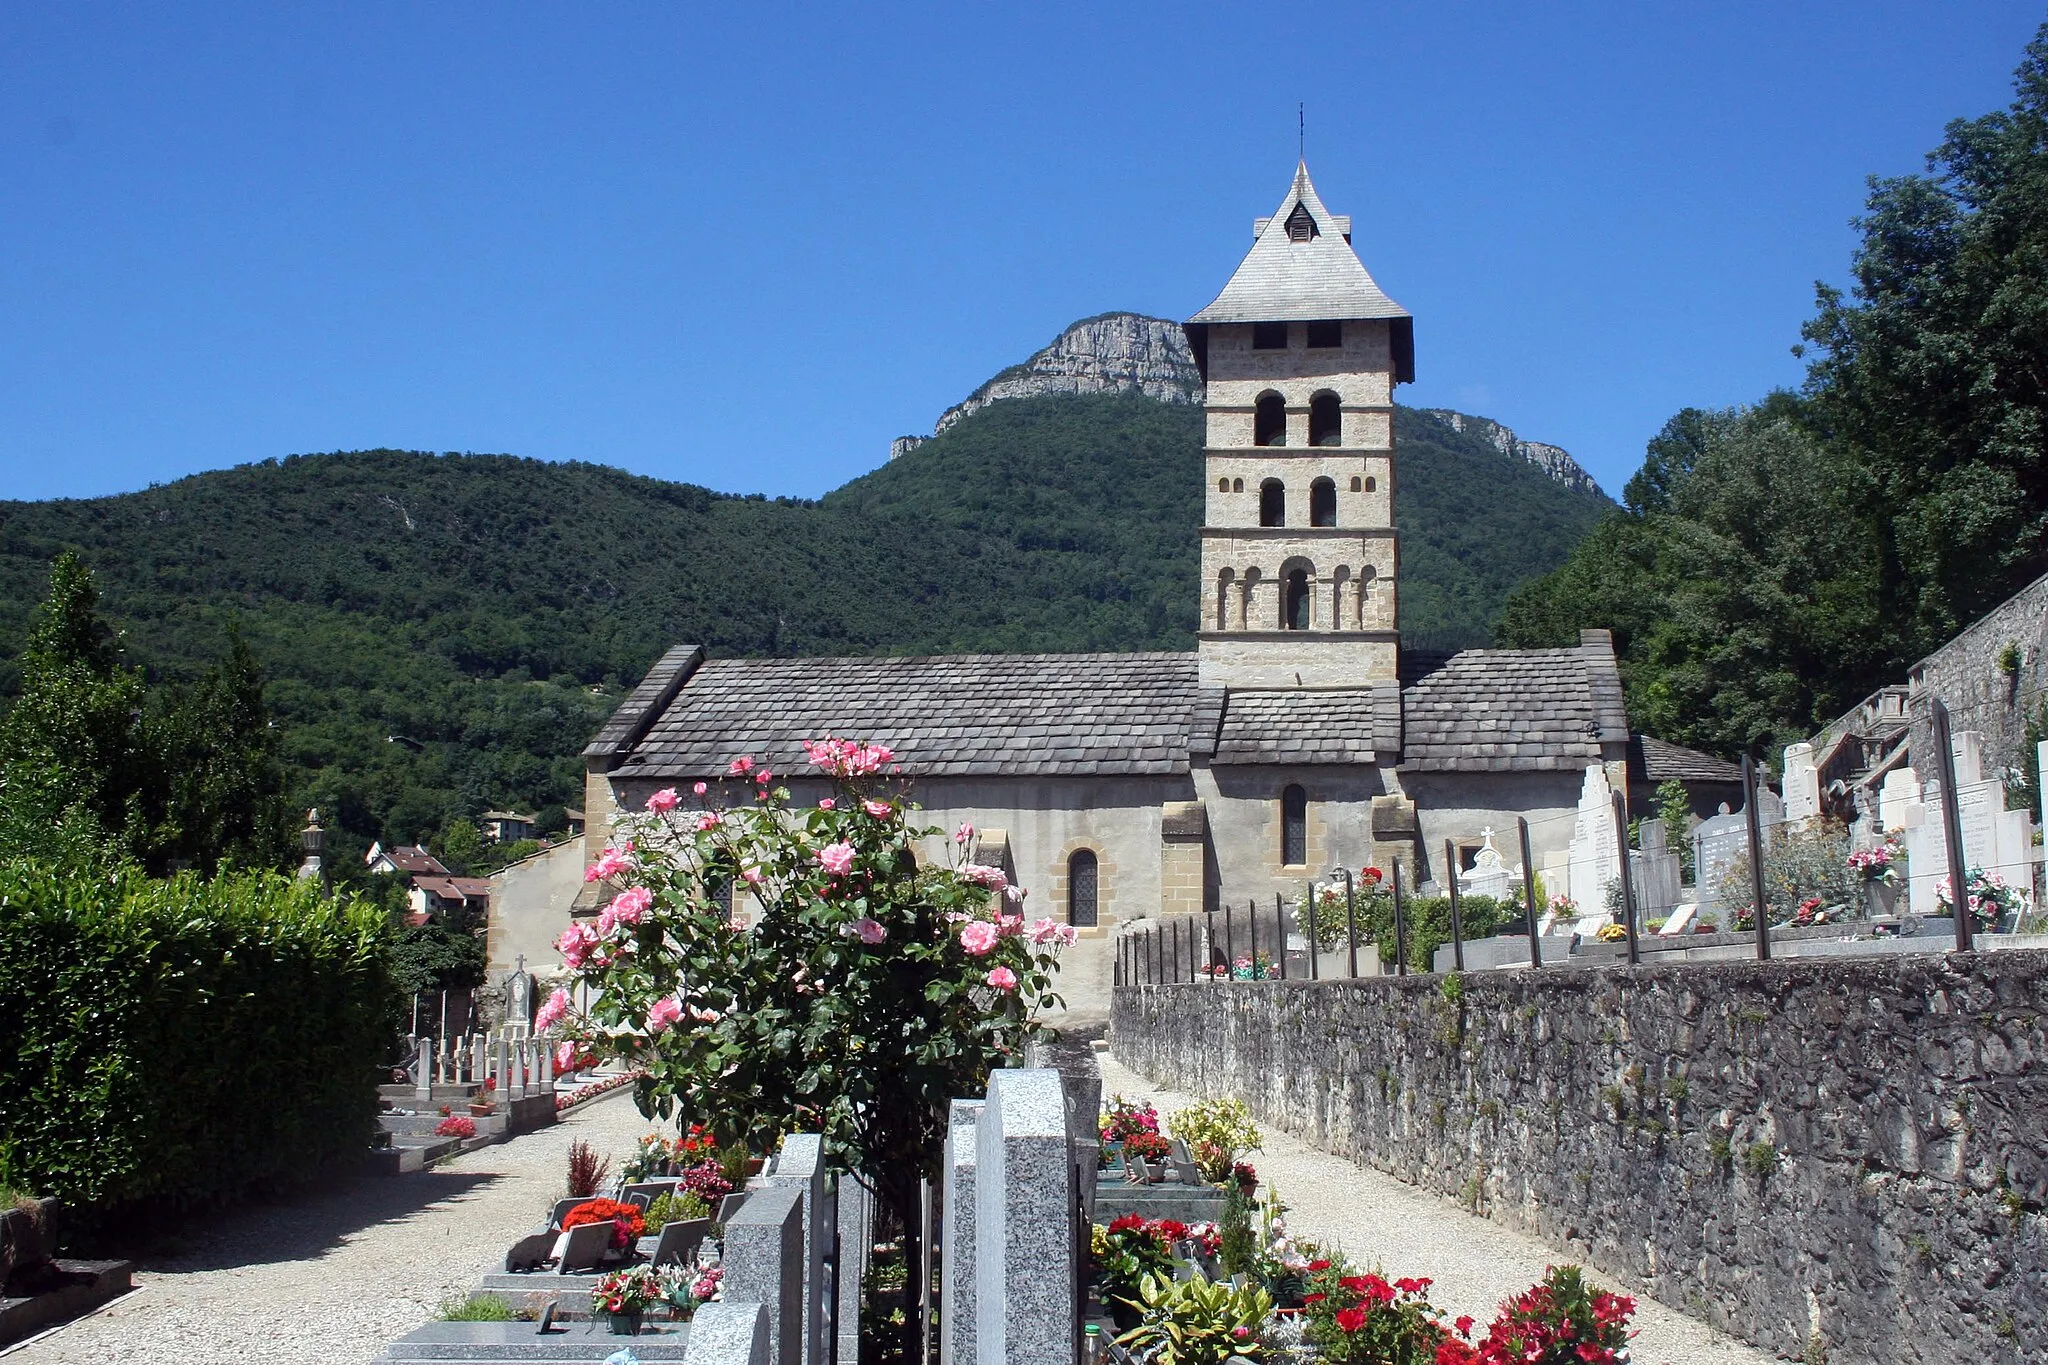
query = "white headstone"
{"x": 1995, "y": 840}
{"x": 1802, "y": 783}
{"x": 1595, "y": 851}
{"x": 1489, "y": 875}
{"x": 1898, "y": 801}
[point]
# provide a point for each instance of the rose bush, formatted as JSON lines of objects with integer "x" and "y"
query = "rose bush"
{"x": 767, "y": 969}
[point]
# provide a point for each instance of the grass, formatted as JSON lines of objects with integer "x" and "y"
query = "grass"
{"x": 474, "y": 1308}
{"x": 1761, "y": 1158}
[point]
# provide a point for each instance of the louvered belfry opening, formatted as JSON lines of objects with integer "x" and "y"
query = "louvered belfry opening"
{"x": 1301, "y": 224}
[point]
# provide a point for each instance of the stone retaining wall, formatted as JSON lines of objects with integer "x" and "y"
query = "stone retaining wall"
{"x": 1856, "y": 1150}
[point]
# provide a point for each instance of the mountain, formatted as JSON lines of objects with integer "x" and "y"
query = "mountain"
{"x": 1132, "y": 353}
{"x": 442, "y": 633}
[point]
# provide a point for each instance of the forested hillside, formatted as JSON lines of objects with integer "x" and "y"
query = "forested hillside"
{"x": 442, "y": 633}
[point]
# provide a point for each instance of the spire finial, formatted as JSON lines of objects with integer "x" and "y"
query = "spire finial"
{"x": 1301, "y": 131}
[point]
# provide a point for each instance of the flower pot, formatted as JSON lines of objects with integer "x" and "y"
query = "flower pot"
{"x": 481, "y": 1111}
{"x": 1883, "y": 897}
{"x": 754, "y": 1165}
{"x": 624, "y": 1324}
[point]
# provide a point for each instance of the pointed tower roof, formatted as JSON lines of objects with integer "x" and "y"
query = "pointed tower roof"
{"x": 1304, "y": 271}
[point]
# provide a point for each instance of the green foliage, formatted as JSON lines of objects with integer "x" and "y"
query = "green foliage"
{"x": 1674, "y": 812}
{"x": 439, "y": 955}
{"x": 174, "y": 1043}
{"x": 1812, "y": 860}
{"x": 1217, "y": 1133}
{"x": 1761, "y": 1159}
{"x": 1775, "y": 564}
{"x": 1238, "y": 1249}
{"x": 1194, "y": 1322}
{"x": 441, "y": 633}
{"x": 474, "y": 1308}
{"x": 1428, "y": 921}
{"x": 674, "y": 1208}
{"x": 171, "y": 776}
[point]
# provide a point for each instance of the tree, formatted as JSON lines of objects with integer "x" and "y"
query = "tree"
{"x": 1935, "y": 366}
{"x": 215, "y": 749}
{"x": 867, "y": 992}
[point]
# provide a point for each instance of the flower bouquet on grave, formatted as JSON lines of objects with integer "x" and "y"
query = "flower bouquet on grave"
{"x": 1248, "y": 969}
{"x": 1246, "y": 1176}
{"x": 1354, "y": 1319}
{"x": 1611, "y": 933}
{"x": 1990, "y": 898}
{"x": 1331, "y": 926}
{"x": 628, "y": 1222}
{"x": 707, "y": 1180}
{"x": 686, "y": 1288}
{"x": 455, "y": 1126}
{"x": 1880, "y": 865}
{"x": 1744, "y": 919}
{"x": 649, "y": 1158}
{"x": 1812, "y": 912}
{"x": 1124, "y": 1254}
{"x": 624, "y": 1296}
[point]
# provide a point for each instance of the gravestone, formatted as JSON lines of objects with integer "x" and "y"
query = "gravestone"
{"x": 764, "y": 1263}
{"x": 1656, "y": 871}
{"x": 1801, "y": 783}
{"x": 1025, "y": 1262}
{"x": 730, "y": 1333}
{"x": 802, "y": 1164}
{"x": 519, "y": 996}
{"x": 1595, "y": 851}
{"x": 1995, "y": 840}
{"x": 1718, "y": 841}
{"x": 1898, "y": 801}
{"x": 856, "y": 1242}
{"x": 958, "y": 1312}
{"x": 1489, "y": 875}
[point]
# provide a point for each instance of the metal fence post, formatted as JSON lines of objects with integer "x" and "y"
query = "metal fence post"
{"x": 1280, "y": 932}
{"x": 1529, "y": 895}
{"x": 1952, "y": 834}
{"x": 1400, "y": 925}
{"x": 1209, "y": 942}
{"x": 1351, "y": 918}
{"x": 1229, "y": 945}
{"x": 1457, "y": 921}
{"x": 1628, "y": 884}
{"x": 1314, "y": 972}
{"x": 1756, "y": 858}
{"x": 1254, "y": 909}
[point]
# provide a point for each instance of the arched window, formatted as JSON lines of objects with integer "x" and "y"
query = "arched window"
{"x": 1372, "y": 485}
{"x": 1222, "y": 485}
{"x": 1294, "y": 827}
{"x": 1368, "y": 581}
{"x": 1081, "y": 889}
{"x": 1223, "y": 599}
{"x": 1245, "y": 614}
{"x": 1269, "y": 420}
{"x": 1294, "y": 612}
{"x": 1340, "y": 583}
{"x": 1357, "y": 484}
{"x": 1325, "y": 420}
{"x": 1322, "y": 503}
{"x": 1272, "y": 503}
{"x": 1237, "y": 485}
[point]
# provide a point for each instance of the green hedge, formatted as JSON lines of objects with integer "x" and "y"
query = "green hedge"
{"x": 173, "y": 1043}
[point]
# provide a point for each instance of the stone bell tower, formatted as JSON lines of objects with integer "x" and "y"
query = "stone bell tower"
{"x": 1300, "y": 352}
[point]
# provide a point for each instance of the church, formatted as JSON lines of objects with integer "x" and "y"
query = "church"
{"x": 1296, "y": 737}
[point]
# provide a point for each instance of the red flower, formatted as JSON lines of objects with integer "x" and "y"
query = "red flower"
{"x": 1170, "y": 1230}
{"x": 1127, "y": 1223}
{"x": 1307, "y": 1299}
{"x": 1407, "y": 1286}
{"x": 1351, "y": 1319}
{"x": 1314, "y": 1266}
{"x": 1464, "y": 1325}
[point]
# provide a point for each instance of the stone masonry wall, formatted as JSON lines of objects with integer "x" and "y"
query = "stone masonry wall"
{"x": 1850, "y": 1148}
{"x": 1979, "y": 694}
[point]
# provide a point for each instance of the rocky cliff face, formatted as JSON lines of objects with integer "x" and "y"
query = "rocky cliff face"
{"x": 1113, "y": 353}
{"x": 1131, "y": 353}
{"x": 1550, "y": 459}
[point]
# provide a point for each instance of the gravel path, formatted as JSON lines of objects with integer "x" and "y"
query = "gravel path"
{"x": 336, "y": 1275}
{"x": 1403, "y": 1230}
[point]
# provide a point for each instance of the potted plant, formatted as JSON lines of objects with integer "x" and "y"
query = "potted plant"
{"x": 685, "y": 1288}
{"x": 483, "y": 1106}
{"x": 624, "y": 1296}
{"x": 1194, "y": 1322}
{"x": 1126, "y": 1254}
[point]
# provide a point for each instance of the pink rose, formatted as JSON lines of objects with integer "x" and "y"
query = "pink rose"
{"x": 827, "y": 804}
{"x": 707, "y": 820}
{"x": 1015, "y": 894}
{"x": 751, "y": 875}
{"x": 1003, "y": 979}
{"x": 552, "y": 1011}
{"x": 629, "y": 905}
{"x": 663, "y": 801}
{"x": 978, "y": 936}
{"x": 964, "y": 833}
{"x": 764, "y": 777}
{"x": 982, "y": 875}
{"x": 610, "y": 864}
{"x": 1009, "y": 926}
{"x": 575, "y": 944}
{"x": 879, "y": 809}
{"x": 836, "y": 859}
{"x": 866, "y": 930}
{"x": 565, "y": 1057}
{"x": 663, "y": 1013}
{"x": 741, "y": 766}
{"x": 700, "y": 789}
{"x": 1045, "y": 931}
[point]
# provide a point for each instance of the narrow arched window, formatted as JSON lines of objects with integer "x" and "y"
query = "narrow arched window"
{"x": 1294, "y": 613}
{"x": 1340, "y": 584}
{"x": 1269, "y": 420}
{"x": 1294, "y": 827}
{"x": 1322, "y": 503}
{"x": 1081, "y": 872}
{"x": 1237, "y": 485}
{"x": 1223, "y": 599}
{"x": 1272, "y": 503}
{"x": 1325, "y": 420}
{"x": 1245, "y": 611}
{"x": 1222, "y": 485}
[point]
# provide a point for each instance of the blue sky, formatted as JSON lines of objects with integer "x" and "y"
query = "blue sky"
{"x": 747, "y": 245}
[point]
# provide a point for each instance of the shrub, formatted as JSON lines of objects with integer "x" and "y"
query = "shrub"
{"x": 1194, "y": 1322}
{"x": 671, "y": 1208}
{"x": 1800, "y": 864}
{"x": 587, "y": 1169}
{"x": 1216, "y": 1132}
{"x": 183, "y": 1041}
